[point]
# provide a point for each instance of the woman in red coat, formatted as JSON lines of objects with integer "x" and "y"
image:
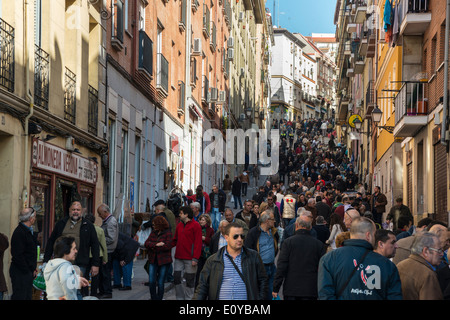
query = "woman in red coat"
{"x": 159, "y": 245}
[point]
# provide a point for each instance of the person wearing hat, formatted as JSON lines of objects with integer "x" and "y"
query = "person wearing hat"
{"x": 323, "y": 232}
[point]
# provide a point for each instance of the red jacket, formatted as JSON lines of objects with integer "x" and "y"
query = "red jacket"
{"x": 188, "y": 241}
{"x": 162, "y": 254}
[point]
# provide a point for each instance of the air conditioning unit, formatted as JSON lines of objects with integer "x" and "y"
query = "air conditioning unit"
{"x": 214, "y": 94}
{"x": 230, "y": 42}
{"x": 197, "y": 46}
{"x": 231, "y": 54}
{"x": 222, "y": 96}
{"x": 241, "y": 16}
{"x": 70, "y": 143}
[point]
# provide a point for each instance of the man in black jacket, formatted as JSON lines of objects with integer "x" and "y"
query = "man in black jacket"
{"x": 218, "y": 199}
{"x": 298, "y": 263}
{"x": 24, "y": 256}
{"x": 264, "y": 239}
{"x": 85, "y": 238}
{"x": 323, "y": 209}
{"x": 220, "y": 280}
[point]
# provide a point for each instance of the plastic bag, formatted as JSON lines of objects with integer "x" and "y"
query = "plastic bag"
{"x": 142, "y": 235}
{"x": 39, "y": 282}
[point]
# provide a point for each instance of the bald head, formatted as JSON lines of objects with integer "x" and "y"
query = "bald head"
{"x": 442, "y": 233}
{"x": 349, "y": 216}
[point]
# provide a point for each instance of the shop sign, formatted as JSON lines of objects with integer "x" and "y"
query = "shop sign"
{"x": 49, "y": 157}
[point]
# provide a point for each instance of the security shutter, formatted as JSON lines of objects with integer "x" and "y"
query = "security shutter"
{"x": 440, "y": 178}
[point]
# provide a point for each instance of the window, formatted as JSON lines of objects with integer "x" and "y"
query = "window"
{"x": 145, "y": 53}
{"x": 137, "y": 174}
{"x": 117, "y": 25}
{"x": 111, "y": 177}
{"x": 124, "y": 162}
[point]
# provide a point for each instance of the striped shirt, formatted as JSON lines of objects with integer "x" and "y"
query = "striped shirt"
{"x": 232, "y": 288}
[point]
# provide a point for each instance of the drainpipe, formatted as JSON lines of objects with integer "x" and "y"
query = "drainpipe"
{"x": 444, "y": 109}
{"x": 31, "y": 100}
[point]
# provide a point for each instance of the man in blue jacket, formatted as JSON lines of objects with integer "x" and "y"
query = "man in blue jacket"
{"x": 355, "y": 271}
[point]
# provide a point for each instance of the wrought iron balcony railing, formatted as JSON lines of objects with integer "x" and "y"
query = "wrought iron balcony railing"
{"x": 70, "y": 81}
{"x": 93, "y": 110}
{"x": 41, "y": 77}
{"x": 162, "y": 81}
{"x": 6, "y": 56}
{"x": 411, "y": 100}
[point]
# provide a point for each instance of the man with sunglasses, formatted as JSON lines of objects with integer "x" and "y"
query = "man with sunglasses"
{"x": 234, "y": 272}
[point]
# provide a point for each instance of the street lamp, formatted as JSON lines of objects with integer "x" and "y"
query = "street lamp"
{"x": 376, "y": 118}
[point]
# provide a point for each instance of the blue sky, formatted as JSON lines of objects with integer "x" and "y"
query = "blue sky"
{"x": 304, "y": 16}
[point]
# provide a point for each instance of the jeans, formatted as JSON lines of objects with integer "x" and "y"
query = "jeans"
{"x": 156, "y": 278}
{"x": 215, "y": 218}
{"x": 244, "y": 188}
{"x": 270, "y": 271}
{"x": 236, "y": 199}
{"x": 124, "y": 272}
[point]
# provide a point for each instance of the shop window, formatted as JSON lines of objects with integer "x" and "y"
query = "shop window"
{"x": 40, "y": 202}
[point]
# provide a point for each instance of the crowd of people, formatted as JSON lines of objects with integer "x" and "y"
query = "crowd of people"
{"x": 311, "y": 231}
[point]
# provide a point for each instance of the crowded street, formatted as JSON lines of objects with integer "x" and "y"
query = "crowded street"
{"x": 224, "y": 151}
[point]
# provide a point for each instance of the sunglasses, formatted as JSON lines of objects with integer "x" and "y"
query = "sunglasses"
{"x": 239, "y": 235}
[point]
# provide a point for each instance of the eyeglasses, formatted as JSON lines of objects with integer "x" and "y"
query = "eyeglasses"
{"x": 439, "y": 251}
{"x": 239, "y": 235}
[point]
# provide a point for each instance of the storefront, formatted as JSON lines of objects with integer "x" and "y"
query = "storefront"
{"x": 58, "y": 177}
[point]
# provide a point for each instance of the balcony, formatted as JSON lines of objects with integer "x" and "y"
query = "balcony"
{"x": 359, "y": 64}
{"x": 350, "y": 72}
{"x": 6, "y": 56}
{"x": 145, "y": 53}
{"x": 370, "y": 99}
{"x": 411, "y": 108}
{"x": 361, "y": 10}
{"x": 70, "y": 81}
{"x": 93, "y": 110}
{"x": 415, "y": 17}
{"x": 162, "y": 78}
{"x": 41, "y": 77}
{"x": 351, "y": 27}
{"x": 206, "y": 21}
{"x": 363, "y": 45}
{"x": 205, "y": 90}
{"x": 371, "y": 44}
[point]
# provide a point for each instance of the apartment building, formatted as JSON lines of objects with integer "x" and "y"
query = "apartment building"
{"x": 404, "y": 126}
{"x": 51, "y": 138}
{"x": 420, "y": 117}
{"x": 288, "y": 88}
